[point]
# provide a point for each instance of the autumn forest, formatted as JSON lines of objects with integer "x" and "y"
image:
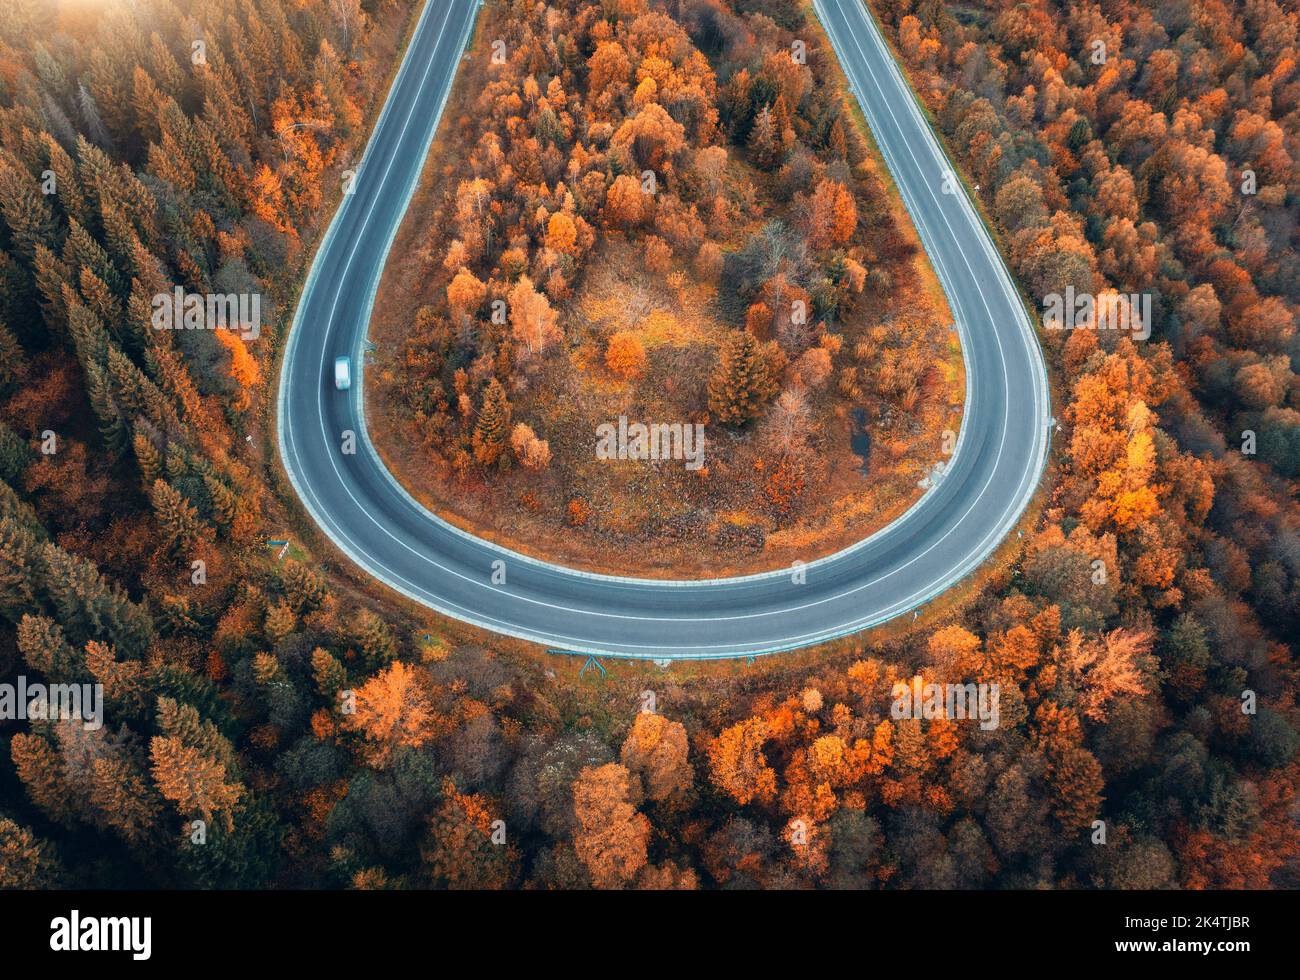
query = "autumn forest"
{"x": 324, "y": 732}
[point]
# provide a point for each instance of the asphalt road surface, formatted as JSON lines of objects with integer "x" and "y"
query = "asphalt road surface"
{"x": 954, "y": 526}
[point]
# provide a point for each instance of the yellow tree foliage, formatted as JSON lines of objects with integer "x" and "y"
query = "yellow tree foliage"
{"x": 611, "y": 835}
{"x": 25, "y": 860}
{"x": 625, "y": 202}
{"x": 650, "y": 139}
{"x": 608, "y": 66}
{"x": 1014, "y": 651}
{"x": 532, "y": 452}
{"x": 834, "y": 215}
{"x": 656, "y": 750}
{"x": 192, "y": 779}
{"x": 465, "y": 293}
{"x": 244, "y": 370}
{"x": 39, "y": 767}
{"x": 461, "y": 852}
{"x": 561, "y": 233}
{"x": 393, "y": 711}
{"x": 1104, "y": 668}
{"x": 955, "y": 652}
{"x": 1125, "y": 496}
{"x": 1113, "y": 441}
{"x": 737, "y": 764}
{"x": 531, "y": 318}
{"x": 625, "y": 355}
{"x": 266, "y": 198}
{"x": 667, "y": 877}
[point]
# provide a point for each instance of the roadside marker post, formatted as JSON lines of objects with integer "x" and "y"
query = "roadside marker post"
{"x": 591, "y": 661}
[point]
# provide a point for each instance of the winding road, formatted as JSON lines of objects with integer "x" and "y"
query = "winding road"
{"x": 955, "y": 525}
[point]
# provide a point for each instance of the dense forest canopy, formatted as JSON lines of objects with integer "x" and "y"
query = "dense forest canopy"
{"x": 270, "y": 721}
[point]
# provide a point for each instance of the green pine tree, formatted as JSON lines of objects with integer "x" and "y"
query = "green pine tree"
{"x": 15, "y": 454}
{"x": 330, "y": 675}
{"x": 493, "y": 426}
{"x": 376, "y": 641}
{"x": 13, "y": 362}
{"x": 304, "y": 589}
{"x": 740, "y": 384}
{"x": 147, "y": 456}
{"x": 225, "y": 505}
{"x": 46, "y": 650}
{"x": 91, "y": 608}
{"x": 26, "y": 861}
{"x": 12, "y": 505}
{"x": 179, "y": 520}
{"x": 24, "y": 211}
{"x": 20, "y": 573}
{"x": 765, "y": 141}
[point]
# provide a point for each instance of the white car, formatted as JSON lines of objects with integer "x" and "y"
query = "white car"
{"x": 342, "y": 373}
